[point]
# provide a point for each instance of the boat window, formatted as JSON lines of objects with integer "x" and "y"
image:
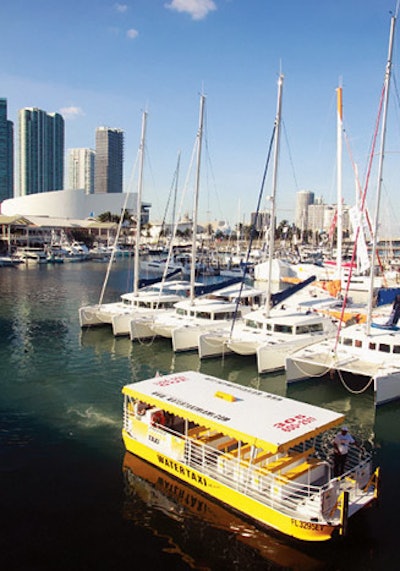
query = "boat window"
{"x": 167, "y": 304}
{"x": 384, "y": 347}
{"x": 252, "y": 324}
{"x": 347, "y": 341}
{"x": 201, "y": 314}
{"x": 180, "y": 311}
{"x": 372, "y": 346}
{"x": 302, "y": 329}
{"x": 357, "y": 343}
{"x": 283, "y": 328}
{"x": 396, "y": 348}
{"x": 311, "y": 328}
{"x": 223, "y": 316}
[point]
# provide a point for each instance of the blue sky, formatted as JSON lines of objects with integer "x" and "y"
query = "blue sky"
{"x": 101, "y": 63}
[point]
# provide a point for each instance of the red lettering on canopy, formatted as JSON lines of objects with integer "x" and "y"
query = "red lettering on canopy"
{"x": 170, "y": 381}
{"x": 294, "y": 422}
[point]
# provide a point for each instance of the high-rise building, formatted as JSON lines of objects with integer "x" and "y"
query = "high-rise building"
{"x": 81, "y": 169}
{"x": 303, "y": 199}
{"x": 108, "y": 160}
{"x": 41, "y": 151}
{"x": 262, "y": 222}
{"x": 6, "y": 153}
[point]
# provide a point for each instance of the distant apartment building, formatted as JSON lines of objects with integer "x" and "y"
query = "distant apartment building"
{"x": 109, "y": 160}
{"x": 322, "y": 218}
{"x": 260, "y": 220}
{"x": 6, "y": 153}
{"x": 303, "y": 200}
{"x": 41, "y": 151}
{"x": 81, "y": 169}
{"x": 315, "y": 216}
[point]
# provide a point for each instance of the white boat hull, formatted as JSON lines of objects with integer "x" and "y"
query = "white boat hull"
{"x": 272, "y": 355}
{"x": 186, "y": 337}
{"x": 141, "y": 328}
{"x": 89, "y": 316}
{"x": 213, "y": 344}
{"x": 385, "y": 377}
{"x": 121, "y": 323}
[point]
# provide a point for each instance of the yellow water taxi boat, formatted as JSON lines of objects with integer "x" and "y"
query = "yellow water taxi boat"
{"x": 261, "y": 454}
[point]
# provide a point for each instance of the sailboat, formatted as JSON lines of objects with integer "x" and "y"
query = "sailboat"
{"x": 153, "y": 294}
{"x": 370, "y": 352}
{"x": 195, "y": 313}
{"x": 269, "y": 334}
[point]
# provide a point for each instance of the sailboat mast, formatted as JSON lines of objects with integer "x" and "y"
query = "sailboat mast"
{"x": 196, "y": 199}
{"x": 380, "y": 168}
{"x": 271, "y": 241}
{"x": 339, "y": 242}
{"x": 139, "y": 205}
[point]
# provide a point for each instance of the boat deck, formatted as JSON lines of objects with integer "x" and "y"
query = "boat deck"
{"x": 349, "y": 363}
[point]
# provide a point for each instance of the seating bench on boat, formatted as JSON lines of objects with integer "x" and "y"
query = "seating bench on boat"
{"x": 262, "y": 456}
{"x": 196, "y": 430}
{"x": 210, "y": 437}
{"x": 297, "y": 471}
{"x": 241, "y": 452}
{"x": 284, "y": 461}
{"x": 226, "y": 444}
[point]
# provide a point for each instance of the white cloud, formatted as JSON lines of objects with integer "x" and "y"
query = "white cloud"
{"x": 198, "y": 9}
{"x": 121, "y": 8}
{"x": 71, "y": 112}
{"x": 132, "y": 34}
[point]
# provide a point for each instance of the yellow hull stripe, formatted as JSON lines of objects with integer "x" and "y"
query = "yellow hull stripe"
{"x": 300, "y": 529}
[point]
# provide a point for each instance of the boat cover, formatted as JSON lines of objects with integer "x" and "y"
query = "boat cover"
{"x": 269, "y": 421}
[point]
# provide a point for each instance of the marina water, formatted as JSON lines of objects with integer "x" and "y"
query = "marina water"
{"x": 69, "y": 497}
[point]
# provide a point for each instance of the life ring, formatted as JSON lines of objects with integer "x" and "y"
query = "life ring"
{"x": 158, "y": 417}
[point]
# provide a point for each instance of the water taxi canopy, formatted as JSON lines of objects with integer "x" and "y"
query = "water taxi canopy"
{"x": 265, "y": 420}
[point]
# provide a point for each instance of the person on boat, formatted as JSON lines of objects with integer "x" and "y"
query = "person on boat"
{"x": 341, "y": 445}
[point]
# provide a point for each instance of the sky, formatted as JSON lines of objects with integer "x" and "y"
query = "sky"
{"x": 100, "y": 62}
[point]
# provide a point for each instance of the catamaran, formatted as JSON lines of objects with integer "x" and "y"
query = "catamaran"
{"x": 141, "y": 300}
{"x": 259, "y": 453}
{"x": 369, "y": 352}
{"x": 271, "y": 336}
{"x": 184, "y": 324}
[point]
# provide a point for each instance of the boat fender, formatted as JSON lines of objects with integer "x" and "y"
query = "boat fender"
{"x": 158, "y": 417}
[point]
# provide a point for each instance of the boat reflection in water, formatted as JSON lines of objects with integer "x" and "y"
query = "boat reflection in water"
{"x": 199, "y": 528}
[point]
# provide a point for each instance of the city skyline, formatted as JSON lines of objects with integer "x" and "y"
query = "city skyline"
{"x": 103, "y": 63}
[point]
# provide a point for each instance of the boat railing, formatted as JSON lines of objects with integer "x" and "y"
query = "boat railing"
{"x": 306, "y": 487}
{"x": 258, "y": 483}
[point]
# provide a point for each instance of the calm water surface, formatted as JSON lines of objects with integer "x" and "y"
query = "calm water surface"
{"x": 71, "y": 499}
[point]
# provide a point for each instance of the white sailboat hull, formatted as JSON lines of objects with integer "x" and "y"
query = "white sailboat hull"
{"x": 272, "y": 355}
{"x": 121, "y": 323}
{"x": 187, "y": 337}
{"x": 92, "y": 316}
{"x": 213, "y": 344}
{"x": 380, "y": 369}
{"x": 141, "y": 328}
